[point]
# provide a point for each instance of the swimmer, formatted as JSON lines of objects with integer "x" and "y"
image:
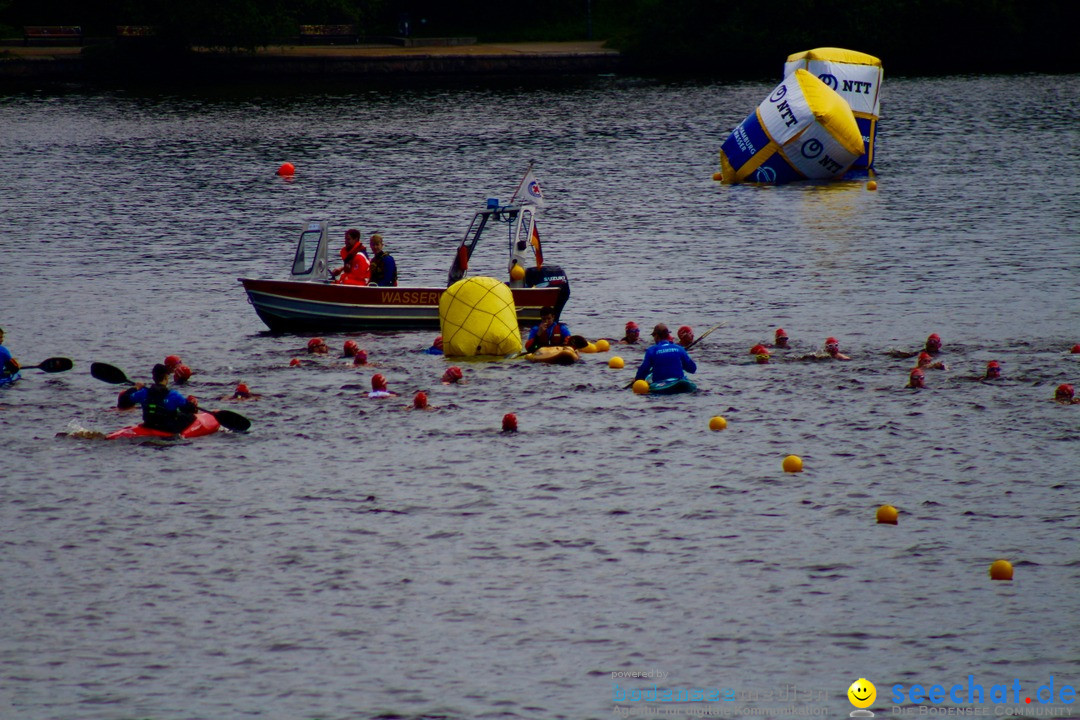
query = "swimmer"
{"x": 350, "y": 349}
{"x": 436, "y": 347}
{"x": 360, "y": 359}
{"x": 916, "y": 379}
{"x": 686, "y": 336}
{"x": 633, "y": 334}
{"x": 926, "y": 362}
{"x": 780, "y": 339}
{"x": 832, "y": 349}
{"x": 1064, "y": 394}
{"x": 317, "y": 346}
{"x": 453, "y": 375}
{"x": 993, "y": 370}
{"x": 378, "y": 387}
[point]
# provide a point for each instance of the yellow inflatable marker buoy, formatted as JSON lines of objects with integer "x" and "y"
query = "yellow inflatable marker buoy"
{"x": 1001, "y": 570}
{"x": 517, "y": 272}
{"x": 792, "y": 464}
{"x": 887, "y": 515}
{"x": 641, "y": 387}
{"x": 477, "y": 316}
{"x": 602, "y": 345}
{"x": 616, "y": 363}
{"x": 717, "y": 423}
{"x": 871, "y": 184}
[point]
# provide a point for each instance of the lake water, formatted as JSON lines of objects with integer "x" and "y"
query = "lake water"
{"x": 351, "y": 559}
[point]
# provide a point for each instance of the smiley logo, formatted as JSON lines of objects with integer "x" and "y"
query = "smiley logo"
{"x": 862, "y": 693}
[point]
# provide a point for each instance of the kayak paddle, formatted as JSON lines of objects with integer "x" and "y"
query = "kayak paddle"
{"x": 114, "y": 375}
{"x": 53, "y": 365}
{"x": 706, "y": 334}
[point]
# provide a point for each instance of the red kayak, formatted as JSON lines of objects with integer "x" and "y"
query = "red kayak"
{"x": 205, "y": 424}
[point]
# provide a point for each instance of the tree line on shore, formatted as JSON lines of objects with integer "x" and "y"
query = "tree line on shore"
{"x": 715, "y": 37}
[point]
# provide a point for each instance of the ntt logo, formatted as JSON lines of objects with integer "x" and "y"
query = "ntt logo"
{"x": 973, "y": 692}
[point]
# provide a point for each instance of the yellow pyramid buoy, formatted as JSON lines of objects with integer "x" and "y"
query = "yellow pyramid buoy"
{"x": 717, "y": 423}
{"x": 641, "y": 387}
{"x": 793, "y": 464}
{"x": 616, "y": 363}
{"x": 1001, "y": 570}
{"x": 887, "y": 514}
{"x": 602, "y": 345}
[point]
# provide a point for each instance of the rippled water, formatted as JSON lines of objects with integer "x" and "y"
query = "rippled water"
{"x": 351, "y": 559}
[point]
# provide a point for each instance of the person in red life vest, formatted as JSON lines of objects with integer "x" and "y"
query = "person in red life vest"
{"x": 993, "y": 370}
{"x": 832, "y": 349}
{"x": 383, "y": 265}
{"x": 360, "y": 359}
{"x": 926, "y": 362}
{"x": 355, "y": 268}
{"x": 378, "y": 387}
{"x": 317, "y": 346}
{"x": 780, "y": 339}
{"x": 686, "y": 336}
{"x": 453, "y": 375}
{"x": 1064, "y": 394}
{"x": 916, "y": 378}
{"x": 163, "y": 409}
{"x": 548, "y": 332}
{"x": 633, "y": 334}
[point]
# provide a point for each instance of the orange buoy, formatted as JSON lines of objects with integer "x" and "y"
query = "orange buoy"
{"x": 286, "y": 169}
{"x": 1001, "y": 570}
{"x": 887, "y": 515}
{"x": 509, "y": 423}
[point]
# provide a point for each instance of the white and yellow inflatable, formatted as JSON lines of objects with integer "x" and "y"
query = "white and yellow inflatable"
{"x": 856, "y": 77}
{"x": 804, "y": 130}
{"x": 477, "y": 316}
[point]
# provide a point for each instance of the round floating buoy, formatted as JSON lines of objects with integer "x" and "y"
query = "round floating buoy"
{"x": 717, "y": 423}
{"x": 871, "y": 185}
{"x": 792, "y": 464}
{"x": 641, "y": 387}
{"x": 1076, "y": 348}
{"x": 286, "y": 169}
{"x": 509, "y": 423}
{"x": 602, "y": 345}
{"x": 616, "y": 363}
{"x": 517, "y": 272}
{"x": 1001, "y": 570}
{"x": 718, "y": 176}
{"x": 294, "y": 362}
{"x": 887, "y": 515}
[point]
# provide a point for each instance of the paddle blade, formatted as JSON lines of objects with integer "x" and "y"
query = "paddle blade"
{"x": 231, "y": 420}
{"x": 109, "y": 373}
{"x": 55, "y": 364}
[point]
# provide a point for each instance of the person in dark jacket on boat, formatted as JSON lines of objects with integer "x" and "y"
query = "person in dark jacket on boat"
{"x": 163, "y": 409}
{"x": 548, "y": 332}
{"x": 665, "y": 360}
{"x": 383, "y": 266}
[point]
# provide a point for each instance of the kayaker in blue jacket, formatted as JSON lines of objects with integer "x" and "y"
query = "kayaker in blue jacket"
{"x": 9, "y": 366}
{"x": 163, "y": 409}
{"x": 665, "y": 360}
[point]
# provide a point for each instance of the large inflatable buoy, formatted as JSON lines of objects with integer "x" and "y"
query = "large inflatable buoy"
{"x": 857, "y": 78}
{"x": 478, "y": 317}
{"x": 803, "y": 130}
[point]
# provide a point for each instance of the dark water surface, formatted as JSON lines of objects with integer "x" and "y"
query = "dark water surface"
{"x": 351, "y": 559}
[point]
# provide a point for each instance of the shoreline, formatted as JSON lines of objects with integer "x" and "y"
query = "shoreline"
{"x": 69, "y": 63}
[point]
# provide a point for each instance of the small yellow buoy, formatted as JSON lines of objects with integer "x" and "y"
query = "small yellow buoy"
{"x": 1001, "y": 570}
{"x": 887, "y": 514}
{"x": 517, "y": 272}
{"x": 717, "y": 423}
{"x": 602, "y": 345}
{"x": 616, "y": 363}
{"x": 871, "y": 185}
{"x": 718, "y": 176}
{"x": 641, "y": 387}
{"x": 286, "y": 169}
{"x": 793, "y": 464}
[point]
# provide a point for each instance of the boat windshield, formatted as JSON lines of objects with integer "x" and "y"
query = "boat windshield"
{"x": 306, "y": 252}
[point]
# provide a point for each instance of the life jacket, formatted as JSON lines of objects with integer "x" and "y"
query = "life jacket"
{"x": 154, "y": 412}
{"x": 357, "y": 266}
{"x": 378, "y": 270}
